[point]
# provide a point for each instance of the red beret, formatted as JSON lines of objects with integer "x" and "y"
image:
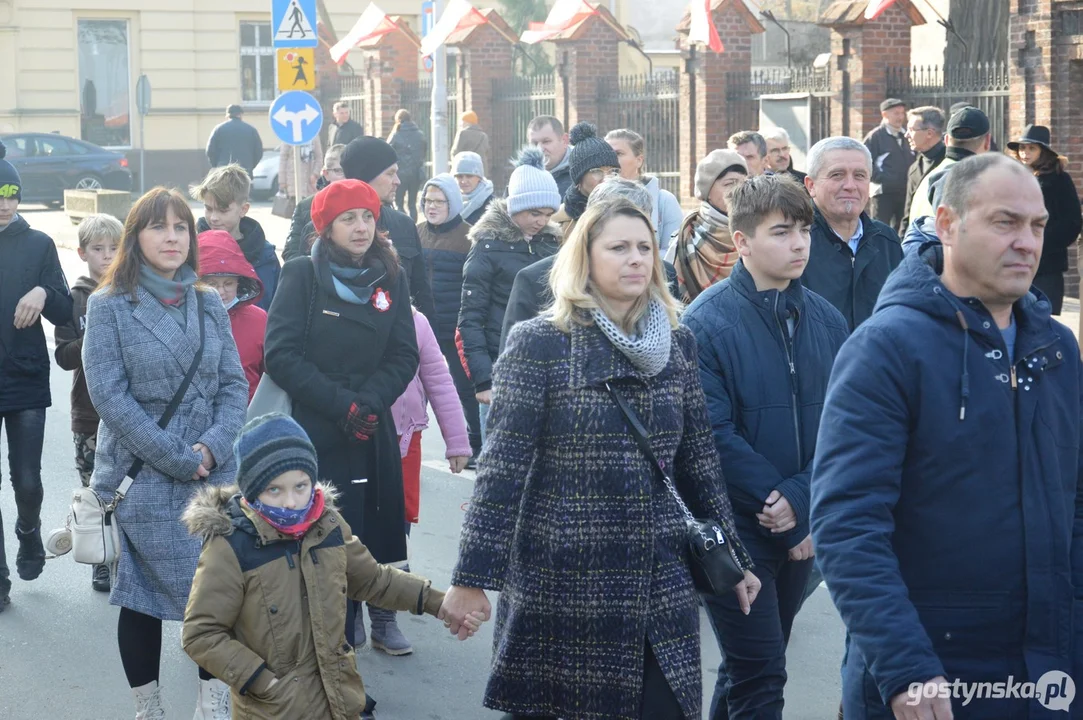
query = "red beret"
{"x": 338, "y": 197}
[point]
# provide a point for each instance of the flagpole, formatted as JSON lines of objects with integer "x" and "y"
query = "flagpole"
{"x": 439, "y": 101}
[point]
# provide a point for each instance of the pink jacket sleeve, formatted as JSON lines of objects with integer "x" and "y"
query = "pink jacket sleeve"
{"x": 440, "y": 390}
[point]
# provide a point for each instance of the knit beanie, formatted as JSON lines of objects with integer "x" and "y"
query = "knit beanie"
{"x": 713, "y": 167}
{"x": 588, "y": 151}
{"x": 446, "y": 184}
{"x": 366, "y": 157}
{"x": 11, "y": 185}
{"x": 469, "y": 118}
{"x": 339, "y": 197}
{"x": 269, "y": 446}
{"x": 468, "y": 163}
{"x": 531, "y": 187}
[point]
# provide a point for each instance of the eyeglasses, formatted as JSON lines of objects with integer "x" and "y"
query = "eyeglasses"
{"x": 600, "y": 173}
{"x": 426, "y": 202}
{"x": 779, "y": 150}
{"x": 333, "y": 171}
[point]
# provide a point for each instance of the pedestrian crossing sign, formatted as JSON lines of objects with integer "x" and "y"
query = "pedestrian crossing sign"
{"x": 294, "y": 23}
{"x": 296, "y": 69}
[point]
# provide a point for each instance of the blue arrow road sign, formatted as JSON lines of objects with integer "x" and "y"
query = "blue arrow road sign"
{"x": 293, "y": 23}
{"x": 296, "y": 117}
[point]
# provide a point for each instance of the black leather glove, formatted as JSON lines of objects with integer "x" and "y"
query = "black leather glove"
{"x": 361, "y": 422}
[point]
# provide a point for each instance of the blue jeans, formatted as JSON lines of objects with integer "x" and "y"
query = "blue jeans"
{"x": 752, "y": 675}
{"x": 26, "y": 436}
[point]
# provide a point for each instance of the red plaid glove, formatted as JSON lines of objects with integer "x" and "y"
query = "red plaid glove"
{"x": 361, "y": 423}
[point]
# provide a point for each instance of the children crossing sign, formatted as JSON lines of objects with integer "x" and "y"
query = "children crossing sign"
{"x": 294, "y": 23}
{"x": 296, "y": 69}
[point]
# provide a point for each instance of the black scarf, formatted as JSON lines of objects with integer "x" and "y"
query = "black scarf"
{"x": 575, "y": 202}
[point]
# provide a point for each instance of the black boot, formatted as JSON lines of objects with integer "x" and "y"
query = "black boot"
{"x": 101, "y": 578}
{"x": 5, "y": 575}
{"x": 30, "y": 560}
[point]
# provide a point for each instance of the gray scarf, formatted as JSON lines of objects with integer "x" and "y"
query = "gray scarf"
{"x": 474, "y": 200}
{"x": 649, "y": 349}
{"x": 170, "y": 293}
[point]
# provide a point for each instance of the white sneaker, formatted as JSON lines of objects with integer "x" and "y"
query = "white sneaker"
{"x": 148, "y": 702}
{"x": 213, "y": 702}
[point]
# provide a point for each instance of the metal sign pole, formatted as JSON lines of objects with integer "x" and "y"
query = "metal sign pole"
{"x": 438, "y": 129}
{"x": 297, "y": 173}
{"x": 142, "y": 154}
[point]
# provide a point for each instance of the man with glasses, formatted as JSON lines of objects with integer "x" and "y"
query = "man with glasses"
{"x": 778, "y": 153}
{"x": 301, "y": 228}
{"x": 925, "y": 131}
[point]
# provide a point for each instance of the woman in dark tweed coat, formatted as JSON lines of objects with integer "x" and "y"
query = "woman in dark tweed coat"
{"x": 597, "y": 615}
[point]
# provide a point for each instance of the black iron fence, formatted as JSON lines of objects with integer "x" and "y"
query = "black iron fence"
{"x": 353, "y": 92}
{"x": 983, "y": 85}
{"x": 416, "y": 97}
{"x": 649, "y": 105}
{"x": 516, "y": 101}
{"x": 744, "y": 90}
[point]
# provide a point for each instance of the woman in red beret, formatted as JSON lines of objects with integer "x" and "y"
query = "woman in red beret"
{"x": 341, "y": 342}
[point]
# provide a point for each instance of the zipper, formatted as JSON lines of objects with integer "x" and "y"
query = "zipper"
{"x": 1014, "y": 383}
{"x": 786, "y": 344}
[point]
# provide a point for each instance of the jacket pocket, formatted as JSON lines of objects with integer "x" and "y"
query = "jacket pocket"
{"x": 965, "y": 624}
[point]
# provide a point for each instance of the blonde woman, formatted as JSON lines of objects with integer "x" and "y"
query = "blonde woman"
{"x": 597, "y": 615}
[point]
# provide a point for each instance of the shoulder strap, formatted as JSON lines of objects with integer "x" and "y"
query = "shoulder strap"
{"x": 171, "y": 409}
{"x": 640, "y": 435}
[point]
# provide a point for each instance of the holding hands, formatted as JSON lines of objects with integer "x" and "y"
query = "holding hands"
{"x": 464, "y": 610}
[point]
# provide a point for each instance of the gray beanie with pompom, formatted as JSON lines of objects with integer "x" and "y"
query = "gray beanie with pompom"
{"x": 531, "y": 187}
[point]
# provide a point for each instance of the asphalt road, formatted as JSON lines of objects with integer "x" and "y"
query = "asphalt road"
{"x": 58, "y": 652}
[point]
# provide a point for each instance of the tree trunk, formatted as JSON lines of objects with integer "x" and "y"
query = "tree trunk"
{"x": 983, "y": 24}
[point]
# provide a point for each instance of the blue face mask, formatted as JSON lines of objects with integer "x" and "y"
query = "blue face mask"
{"x": 232, "y": 303}
{"x": 284, "y": 517}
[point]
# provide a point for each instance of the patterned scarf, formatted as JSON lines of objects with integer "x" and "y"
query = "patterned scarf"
{"x": 705, "y": 251}
{"x": 170, "y": 293}
{"x": 338, "y": 270}
{"x": 294, "y": 523}
{"x": 649, "y": 349}
{"x": 474, "y": 200}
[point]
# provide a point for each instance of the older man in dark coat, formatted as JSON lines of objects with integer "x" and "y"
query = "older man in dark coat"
{"x": 235, "y": 141}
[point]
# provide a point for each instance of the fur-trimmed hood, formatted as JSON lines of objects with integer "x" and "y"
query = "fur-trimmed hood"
{"x": 496, "y": 224}
{"x": 209, "y": 512}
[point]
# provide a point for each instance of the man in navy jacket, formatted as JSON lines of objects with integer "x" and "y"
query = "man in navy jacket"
{"x": 766, "y": 346}
{"x": 946, "y": 508}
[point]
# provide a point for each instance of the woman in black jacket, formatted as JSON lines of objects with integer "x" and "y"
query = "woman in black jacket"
{"x": 341, "y": 343}
{"x": 1062, "y": 202}
{"x": 512, "y": 234}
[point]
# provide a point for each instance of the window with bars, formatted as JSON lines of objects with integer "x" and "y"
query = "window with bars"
{"x": 257, "y": 63}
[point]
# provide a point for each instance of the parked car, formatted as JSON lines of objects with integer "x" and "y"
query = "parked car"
{"x": 50, "y": 163}
{"x": 265, "y": 176}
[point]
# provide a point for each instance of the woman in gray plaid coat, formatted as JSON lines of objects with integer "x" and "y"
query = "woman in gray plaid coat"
{"x": 597, "y": 615}
{"x": 142, "y": 335}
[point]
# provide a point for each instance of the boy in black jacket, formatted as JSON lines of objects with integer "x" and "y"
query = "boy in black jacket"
{"x": 766, "y": 347}
{"x": 32, "y": 284}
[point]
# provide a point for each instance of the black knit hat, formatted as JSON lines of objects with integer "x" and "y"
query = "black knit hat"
{"x": 11, "y": 185}
{"x": 588, "y": 151}
{"x": 269, "y": 446}
{"x": 366, "y": 157}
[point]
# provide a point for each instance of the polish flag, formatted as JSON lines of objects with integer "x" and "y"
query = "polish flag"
{"x": 876, "y": 7}
{"x": 565, "y": 14}
{"x": 702, "y": 29}
{"x": 373, "y": 23}
{"x": 458, "y": 15}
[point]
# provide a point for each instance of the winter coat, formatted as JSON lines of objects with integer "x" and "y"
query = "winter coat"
{"x": 765, "y": 391}
{"x": 795, "y": 174}
{"x": 921, "y": 205}
{"x": 444, "y": 248}
{"x": 248, "y": 322}
{"x": 266, "y": 606}
{"x": 235, "y": 141}
{"x": 498, "y": 252}
{"x": 574, "y": 529}
{"x": 852, "y": 288}
{"x": 924, "y": 164}
{"x": 354, "y": 353}
{"x": 28, "y": 259}
{"x": 411, "y": 147}
{"x": 260, "y": 253}
{"x": 471, "y": 138}
{"x": 890, "y": 176}
{"x": 666, "y": 213}
{"x": 431, "y": 384}
{"x": 311, "y": 166}
{"x": 345, "y": 133}
{"x": 134, "y": 359}
{"x": 402, "y": 230}
{"x": 300, "y": 228}
{"x": 69, "y": 356}
{"x": 1065, "y": 221}
{"x": 946, "y": 510}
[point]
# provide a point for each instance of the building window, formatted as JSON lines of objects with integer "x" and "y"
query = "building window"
{"x": 104, "y": 82}
{"x": 257, "y": 63}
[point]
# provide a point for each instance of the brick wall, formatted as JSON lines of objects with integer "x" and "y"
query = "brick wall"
{"x": 391, "y": 58}
{"x": 485, "y": 55}
{"x": 593, "y": 53}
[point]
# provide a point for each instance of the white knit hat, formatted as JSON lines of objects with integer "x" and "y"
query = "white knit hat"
{"x": 531, "y": 187}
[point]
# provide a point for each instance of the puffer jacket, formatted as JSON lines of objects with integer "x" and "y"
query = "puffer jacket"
{"x": 220, "y": 255}
{"x": 254, "y": 614}
{"x": 498, "y": 252}
{"x": 444, "y": 248}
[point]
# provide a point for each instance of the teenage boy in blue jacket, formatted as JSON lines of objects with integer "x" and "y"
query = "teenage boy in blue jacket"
{"x": 766, "y": 346}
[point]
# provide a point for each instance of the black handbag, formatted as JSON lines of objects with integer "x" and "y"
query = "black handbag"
{"x": 713, "y": 561}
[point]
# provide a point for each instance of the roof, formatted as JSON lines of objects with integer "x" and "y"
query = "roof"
{"x": 494, "y": 20}
{"x": 748, "y": 9}
{"x": 574, "y": 32}
{"x": 852, "y": 12}
{"x": 403, "y": 27}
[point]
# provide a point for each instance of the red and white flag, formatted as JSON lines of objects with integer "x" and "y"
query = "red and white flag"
{"x": 876, "y": 7}
{"x": 702, "y": 29}
{"x": 373, "y": 23}
{"x": 458, "y": 15}
{"x": 565, "y": 14}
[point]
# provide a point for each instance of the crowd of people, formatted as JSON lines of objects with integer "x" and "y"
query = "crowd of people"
{"x": 904, "y": 427}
